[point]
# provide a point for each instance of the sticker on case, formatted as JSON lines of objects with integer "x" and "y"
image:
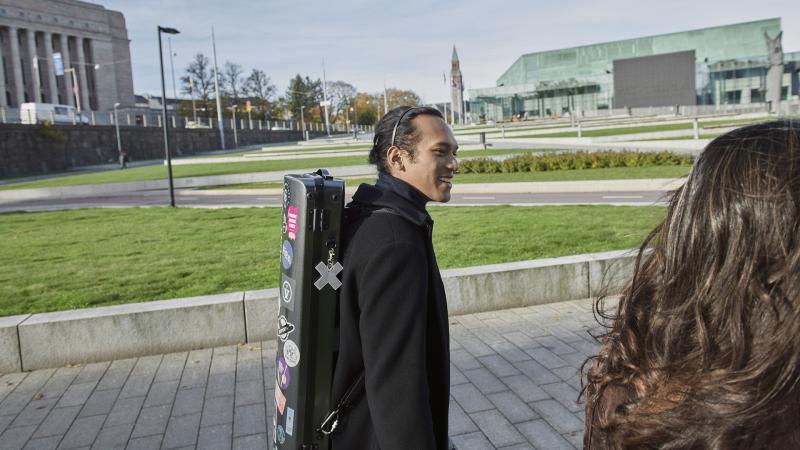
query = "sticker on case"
{"x": 287, "y": 254}
{"x": 328, "y": 275}
{"x": 280, "y": 399}
{"x": 289, "y": 421}
{"x": 283, "y": 373}
{"x": 287, "y": 292}
{"x": 292, "y": 215}
{"x": 281, "y": 435}
{"x": 284, "y": 328}
{"x": 291, "y": 353}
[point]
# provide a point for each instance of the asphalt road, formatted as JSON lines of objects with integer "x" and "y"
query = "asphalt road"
{"x": 186, "y": 199}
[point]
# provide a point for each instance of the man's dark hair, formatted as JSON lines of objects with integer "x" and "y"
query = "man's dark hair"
{"x": 406, "y": 136}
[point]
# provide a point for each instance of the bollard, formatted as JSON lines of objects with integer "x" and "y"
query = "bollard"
{"x": 144, "y": 120}
{"x": 260, "y": 123}
{"x": 159, "y": 121}
{"x": 696, "y": 127}
{"x": 580, "y": 131}
{"x": 94, "y": 119}
{"x": 3, "y": 114}
{"x": 74, "y": 122}
{"x": 129, "y": 119}
{"x": 173, "y": 122}
{"x": 503, "y": 130}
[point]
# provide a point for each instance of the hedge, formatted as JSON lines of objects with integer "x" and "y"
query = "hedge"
{"x": 574, "y": 161}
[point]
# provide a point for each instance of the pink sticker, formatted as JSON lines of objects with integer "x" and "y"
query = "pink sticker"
{"x": 291, "y": 213}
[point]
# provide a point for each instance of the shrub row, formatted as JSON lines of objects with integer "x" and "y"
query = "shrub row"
{"x": 573, "y": 161}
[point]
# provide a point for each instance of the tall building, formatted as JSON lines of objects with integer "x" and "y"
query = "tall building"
{"x": 724, "y": 65}
{"x": 49, "y": 45}
{"x": 456, "y": 90}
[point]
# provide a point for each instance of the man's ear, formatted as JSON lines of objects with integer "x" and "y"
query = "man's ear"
{"x": 394, "y": 159}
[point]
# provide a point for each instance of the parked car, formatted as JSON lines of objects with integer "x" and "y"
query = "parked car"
{"x": 33, "y": 113}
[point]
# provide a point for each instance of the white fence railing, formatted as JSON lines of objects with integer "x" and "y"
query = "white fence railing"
{"x": 139, "y": 119}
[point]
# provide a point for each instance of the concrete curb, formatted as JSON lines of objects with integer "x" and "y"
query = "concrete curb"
{"x": 39, "y": 341}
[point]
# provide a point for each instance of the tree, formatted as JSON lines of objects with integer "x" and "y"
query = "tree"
{"x": 232, "y": 81}
{"x": 342, "y": 95}
{"x": 199, "y": 82}
{"x": 259, "y": 88}
{"x": 258, "y": 85}
{"x": 305, "y": 92}
{"x": 367, "y": 108}
{"x": 402, "y": 97}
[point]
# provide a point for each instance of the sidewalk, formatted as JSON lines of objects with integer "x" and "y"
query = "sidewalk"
{"x": 514, "y": 384}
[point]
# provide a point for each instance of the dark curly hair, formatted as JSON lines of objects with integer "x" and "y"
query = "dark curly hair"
{"x": 703, "y": 349}
{"x": 406, "y": 136}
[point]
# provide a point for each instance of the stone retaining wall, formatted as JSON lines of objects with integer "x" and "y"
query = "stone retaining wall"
{"x": 30, "y": 342}
{"x": 33, "y": 150}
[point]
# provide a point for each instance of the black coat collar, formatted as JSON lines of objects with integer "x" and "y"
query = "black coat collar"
{"x": 369, "y": 195}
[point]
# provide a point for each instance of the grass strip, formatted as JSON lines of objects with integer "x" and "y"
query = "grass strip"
{"x": 62, "y": 260}
{"x": 642, "y": 129}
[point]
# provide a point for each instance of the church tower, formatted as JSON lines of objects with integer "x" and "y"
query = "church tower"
{"x": 456, "y": 90}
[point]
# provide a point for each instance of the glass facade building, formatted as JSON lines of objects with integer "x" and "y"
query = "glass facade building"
{"x": 730, "y": 67}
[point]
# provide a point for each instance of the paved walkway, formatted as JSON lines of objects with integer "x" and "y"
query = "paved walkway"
{"x": 514, "y": 384}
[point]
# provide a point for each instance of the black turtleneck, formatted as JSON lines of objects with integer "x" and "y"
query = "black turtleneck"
{"x": 403, "y": 189}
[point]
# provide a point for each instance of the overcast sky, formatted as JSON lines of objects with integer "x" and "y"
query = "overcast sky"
{"x": 407, "y": 44}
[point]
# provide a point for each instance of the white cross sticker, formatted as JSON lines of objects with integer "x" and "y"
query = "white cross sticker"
{"x": 328, "y": 276}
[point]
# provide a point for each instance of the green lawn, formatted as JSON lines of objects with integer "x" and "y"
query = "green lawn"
{"x": 83, "y": 258}
{"x": 159, "y": 172}
{"x": 614, "y": 173}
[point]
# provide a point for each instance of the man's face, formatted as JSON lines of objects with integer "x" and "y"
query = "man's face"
{"x": 431, "y": 171}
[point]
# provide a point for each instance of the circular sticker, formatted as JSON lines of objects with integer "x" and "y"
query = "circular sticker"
{"x": 281, "y": 435}
{"x": 286, "y": 291}
{"x": 291, "y": 353}
{"x": 287, "y": 254}
{"x": 283, "y": 373}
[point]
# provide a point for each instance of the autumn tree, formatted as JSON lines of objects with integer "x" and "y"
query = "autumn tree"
{"x": 198, "y": 83}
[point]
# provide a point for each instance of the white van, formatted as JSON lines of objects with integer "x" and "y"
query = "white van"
{"x": 33, "y": 113}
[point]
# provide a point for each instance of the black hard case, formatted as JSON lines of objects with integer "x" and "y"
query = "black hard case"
{"x": 307, "y": 314}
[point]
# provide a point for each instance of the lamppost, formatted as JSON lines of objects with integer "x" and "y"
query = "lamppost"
{"x": 303, "y": 122}
{"x": 75, "y": 89}
{"x": 116, "y": 124}
{"x": 355, "y": 126}
{"x": 164, "y": 111}
{"x": 235, "y": 138}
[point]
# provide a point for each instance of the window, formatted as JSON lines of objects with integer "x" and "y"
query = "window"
{"x": 733, "y": 97}
{"x": 61, "y": 111}
{"x": 756, "y": 96}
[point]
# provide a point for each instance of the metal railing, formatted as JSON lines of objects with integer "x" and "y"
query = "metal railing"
{"x": 148, "y": 120}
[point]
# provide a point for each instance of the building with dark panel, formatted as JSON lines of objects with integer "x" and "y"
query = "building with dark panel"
{"x": 66, "y": 52}
{"x": 729, "y": 63}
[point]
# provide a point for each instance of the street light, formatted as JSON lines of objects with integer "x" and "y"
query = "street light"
{"x": 235, "y": 138}
{"x": 164, "y": 111}
{"x": 119, "y": 142}
{"x": 303, "y": 122}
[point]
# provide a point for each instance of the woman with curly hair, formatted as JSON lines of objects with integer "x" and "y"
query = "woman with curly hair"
{"x": 704, "y": 348}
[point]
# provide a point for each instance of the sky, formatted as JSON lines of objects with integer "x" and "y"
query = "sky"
{"x": 407, "y": 44}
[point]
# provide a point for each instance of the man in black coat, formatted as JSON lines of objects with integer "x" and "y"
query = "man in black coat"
{"x": 393, "y": 311}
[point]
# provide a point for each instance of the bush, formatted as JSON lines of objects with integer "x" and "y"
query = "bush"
{"x": 574, "y": 161}
{"x": 51, "y": 133}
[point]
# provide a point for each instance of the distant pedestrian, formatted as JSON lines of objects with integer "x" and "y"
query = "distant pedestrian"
{"x": 123, "y": 160}
{"x": 704, "y": 348}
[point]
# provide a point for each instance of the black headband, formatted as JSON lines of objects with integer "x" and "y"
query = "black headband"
{"x": 394, "y": 131}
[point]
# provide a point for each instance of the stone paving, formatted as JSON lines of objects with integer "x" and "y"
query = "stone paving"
{"x": 514, "y": 384}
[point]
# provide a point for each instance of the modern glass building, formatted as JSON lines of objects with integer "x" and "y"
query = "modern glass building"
{"x": 730, "y": 67}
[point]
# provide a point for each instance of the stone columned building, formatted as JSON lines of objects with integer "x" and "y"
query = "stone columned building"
{"x": 67, "y": 52}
